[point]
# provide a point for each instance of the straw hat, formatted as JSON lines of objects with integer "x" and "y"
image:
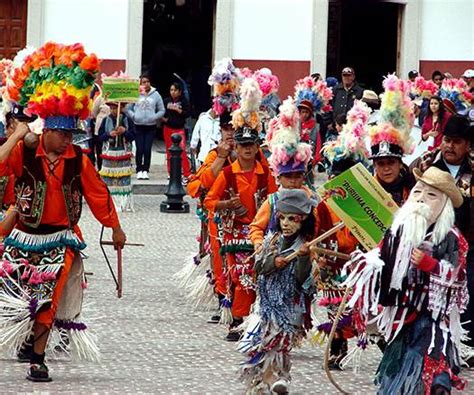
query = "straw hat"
{"x": 441, "y": 180}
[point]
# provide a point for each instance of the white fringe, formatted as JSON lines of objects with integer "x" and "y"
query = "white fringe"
{"x": 190, "y": 270}
{"x": 226, "y": 316}
{"x": 38, "y": 240}
{"x": 122, "y": 203}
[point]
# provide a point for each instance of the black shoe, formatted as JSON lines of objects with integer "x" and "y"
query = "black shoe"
{"x": 233, "y": 336}
{"x": 38, "y": 373}
{"x": 214, "y": 319}
{"x": 24, "y": 355}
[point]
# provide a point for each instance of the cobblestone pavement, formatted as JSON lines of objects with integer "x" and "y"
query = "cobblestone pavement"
{"x": 151, "y": 341}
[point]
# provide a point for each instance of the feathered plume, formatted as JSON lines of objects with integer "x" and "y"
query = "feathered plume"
{"x": 268, "y": 82}
{"x": 55, "y": 80}
{"x": 456, "y": 91}
{"x": 317, "y": 93}
{"x": 396, "y": 115}
{"x": 283, "y": 139}
{"x": 423, "y": 88}
{"x": 250, "y": 99}
{"x": 225, "y": 80}
{"x": 350, "y": 143}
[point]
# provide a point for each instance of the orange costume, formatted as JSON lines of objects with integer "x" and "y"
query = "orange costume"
{"x": 198, "y": 185}
{"x": 252, "y": 188}
{"x": 55, "y": 236}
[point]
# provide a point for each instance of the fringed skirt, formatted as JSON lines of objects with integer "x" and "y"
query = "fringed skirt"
{"x": 117, "y": 174}
{"x": 41, "y": 279}
{"x": 407, "y": 366}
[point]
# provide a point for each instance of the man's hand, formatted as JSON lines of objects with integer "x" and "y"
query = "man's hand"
{"x": 118, "y": 237}
{"x": 416, "y": 256}
{"x": 280, "y": 262}
{"x": 223, "y": 149}
{"x": 21, "y": 130}
{"x": 234, "y": 202}
{"x": 304, "y": 250}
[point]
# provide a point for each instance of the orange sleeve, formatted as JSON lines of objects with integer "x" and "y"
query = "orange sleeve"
{"x": 204, "y": 177}
{"x": 260, "y": 223}
{"x": 272, "y": 186}
{"x": 97, "y": 195}
{"x": 14, "y": 163}
{"x": 216, "y": 192}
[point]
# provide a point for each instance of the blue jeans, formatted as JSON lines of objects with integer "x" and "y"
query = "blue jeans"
{"x": 144, "y": 135}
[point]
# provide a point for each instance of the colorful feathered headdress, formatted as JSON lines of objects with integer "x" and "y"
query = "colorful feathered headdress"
{"x": 250, "y": 99}
{"x": 225, "y": 80}
{"x": 422, "y": 88}
{"x": 455, "y": 94}
{"x": 350, "y": 144}
{"x": 391, "y": 136}
{"x": 288, "y": 153}
{"x": 54, "y": 82}
{"x": 315, "y": 95}
{"x": 268, "y": 82}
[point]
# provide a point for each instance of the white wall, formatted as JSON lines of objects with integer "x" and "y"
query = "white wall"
{"x": 447, "y": 30}
{"x": 272, "y": 29}
{"x": 101, "y": 25}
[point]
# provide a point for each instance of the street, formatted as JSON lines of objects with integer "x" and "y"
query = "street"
{"x": 151, "y": 340}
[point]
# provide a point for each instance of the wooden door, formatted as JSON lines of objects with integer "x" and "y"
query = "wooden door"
{"x": 12, "y": 27}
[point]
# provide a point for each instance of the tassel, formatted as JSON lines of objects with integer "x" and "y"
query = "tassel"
{"x": 226, "y": 311}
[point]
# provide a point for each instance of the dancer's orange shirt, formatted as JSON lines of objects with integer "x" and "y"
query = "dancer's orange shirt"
{"x": 245, "y": 189}
{"x": 94, "y": 189}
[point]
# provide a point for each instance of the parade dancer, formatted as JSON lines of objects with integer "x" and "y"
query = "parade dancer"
{"x": 413, "y": 286}
{"x": 237, "y": 193}
{"x": 41, "y": 281}
{"x": 285, "y": 289}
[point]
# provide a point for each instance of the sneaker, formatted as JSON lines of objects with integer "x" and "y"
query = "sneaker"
{"x": 214, "y": 319}
{"x": 140, "y": 175}
{"x": 233, "y": 336}
{"x": 24, "y": 355}
{"x": 145, "y": 175}
{"x": 280, "y": 386}
{"x": 38, "y": 373}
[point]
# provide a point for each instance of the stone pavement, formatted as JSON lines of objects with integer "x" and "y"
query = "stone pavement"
{"x": 151, "y": 341}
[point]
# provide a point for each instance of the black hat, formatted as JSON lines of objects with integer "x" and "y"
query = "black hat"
{"x": 385, "y": 149}
{"x": 225, "y": 119}
{"x": 458, "y": 126}
{"x": 18, "y": 112}
{"x": 341, "y": 165}
{"x": 246, "y": 135}
{"x": 413, "y": 74}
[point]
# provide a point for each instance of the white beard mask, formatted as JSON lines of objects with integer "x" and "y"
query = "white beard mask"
{"x": 413, "y": 220}
{"x": 290, "y": 223}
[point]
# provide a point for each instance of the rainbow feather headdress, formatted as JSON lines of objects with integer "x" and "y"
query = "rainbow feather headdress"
{"x": 457, "y": 92}
{"x": 317, "y": 94}
{"x": 350, "y": 144}
{"x": 288, "y": 153}
{"x": 225, "y": 80}
{"x": 250, "y": 99}
{"x": 422, "y": 88}
{"x": 391, "y": 136}
{"x": 54, "y": 82}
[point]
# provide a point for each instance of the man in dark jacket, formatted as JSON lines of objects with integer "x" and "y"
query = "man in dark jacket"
{"x": 453, "y": 157}
{"x": 346, "y": 92}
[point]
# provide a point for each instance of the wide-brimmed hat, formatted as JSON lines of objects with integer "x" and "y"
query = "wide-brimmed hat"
{"x": 458, "y": 126}
{"x": 21, "y": 114}
{"x": 306, "y": 104}
{"x": 441, "y": 180}
{"x": 369, "y": 96}
{"x": 295, "y": 201}
{"x": 449, "y": 105}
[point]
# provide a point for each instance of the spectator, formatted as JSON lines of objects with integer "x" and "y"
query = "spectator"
{"x": 468, "y": 77}
{"x": 435, "y": 122}
{"x": 346, "y": 92}
{"x": 412, "y": 75}
{"x": 100, "y": 111}
{"x": 145, "y": 113}
{"x": 373, "y": 102}
{"x": 206, "y": 133}
{"x": 341, "y": 119}
{"x": 177, "y": 110}
{"x": 437, "y": 77}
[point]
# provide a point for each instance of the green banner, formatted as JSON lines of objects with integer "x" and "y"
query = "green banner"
{"x": 123, "y": 90}
{"x": 361, "y": 203}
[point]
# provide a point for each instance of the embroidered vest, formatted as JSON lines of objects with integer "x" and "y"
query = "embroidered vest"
{"x": 30, "y": 188}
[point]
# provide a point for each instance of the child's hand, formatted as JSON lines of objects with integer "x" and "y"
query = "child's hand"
{"x": 120, "y": 130}
{"x": 304, "y": 250}
{"x": 280, "y": 262}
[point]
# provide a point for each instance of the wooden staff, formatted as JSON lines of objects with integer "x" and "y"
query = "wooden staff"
{"x": 318, "y": 239}
{"x": 327, "y": 252}
{"x": 111, "y": 243}
{"x": 119, "y": 273}
{"x": 328, "y": 346}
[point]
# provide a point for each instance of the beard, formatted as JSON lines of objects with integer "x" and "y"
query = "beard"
{"x": 412, "y": 219}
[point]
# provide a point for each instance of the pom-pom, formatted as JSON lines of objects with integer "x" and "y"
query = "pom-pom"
{"x": 318, "y": 93}
{"x": 268, "y": 83}
{"x": 457, "y": 91}
{"x": 423, "y": 88}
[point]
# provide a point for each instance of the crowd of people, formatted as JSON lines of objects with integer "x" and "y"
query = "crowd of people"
{"x": 273, "y": 255}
